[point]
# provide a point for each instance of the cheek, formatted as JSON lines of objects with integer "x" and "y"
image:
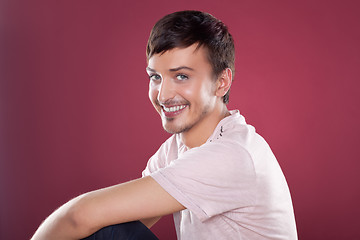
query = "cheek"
{"x": 187, "y": 93}
{"x": 195, "y": 92}
{"x": 190, "y": 91}
{"x": 153, "y": 92}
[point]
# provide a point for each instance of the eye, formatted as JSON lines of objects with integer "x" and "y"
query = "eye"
{"x": 181, "y": 77}
{"x": 155, "y": 77}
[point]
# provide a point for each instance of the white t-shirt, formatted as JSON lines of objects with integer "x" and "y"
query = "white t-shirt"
{"x": 232, "y": 185}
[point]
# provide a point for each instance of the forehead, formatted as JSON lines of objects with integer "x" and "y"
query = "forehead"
{"x": 192, "y": 57}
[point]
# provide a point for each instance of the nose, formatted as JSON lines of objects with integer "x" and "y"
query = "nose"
{"x": 166, "y": 91}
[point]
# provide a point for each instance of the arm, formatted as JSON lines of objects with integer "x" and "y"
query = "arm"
{"x": 139, "y": 199}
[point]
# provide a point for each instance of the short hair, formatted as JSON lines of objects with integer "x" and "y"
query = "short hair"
{"x": 185, "y": 28}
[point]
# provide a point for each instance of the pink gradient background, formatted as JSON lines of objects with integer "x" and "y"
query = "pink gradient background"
{"x": 74, "y": 112}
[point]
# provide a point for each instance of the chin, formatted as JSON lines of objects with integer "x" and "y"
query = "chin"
{"x": 175, "y": 129}
{"x": 172, "y": 129}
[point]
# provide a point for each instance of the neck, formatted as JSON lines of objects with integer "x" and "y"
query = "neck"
{"x": 201, "y": 132}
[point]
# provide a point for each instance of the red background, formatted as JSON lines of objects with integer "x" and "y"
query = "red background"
{"x": 74, "y": 113}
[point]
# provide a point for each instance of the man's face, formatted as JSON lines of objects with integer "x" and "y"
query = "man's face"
{"x": 182, "y": 87}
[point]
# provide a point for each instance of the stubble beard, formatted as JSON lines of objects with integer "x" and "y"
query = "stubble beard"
{"x": 186, "y": 126}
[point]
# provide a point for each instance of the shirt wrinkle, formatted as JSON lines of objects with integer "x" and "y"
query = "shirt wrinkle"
{"x": 231, "y": 186}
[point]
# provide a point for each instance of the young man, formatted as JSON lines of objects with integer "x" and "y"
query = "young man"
{"x": 215, "y": 173}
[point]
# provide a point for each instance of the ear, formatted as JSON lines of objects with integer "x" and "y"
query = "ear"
{"x": 224, "y": 83}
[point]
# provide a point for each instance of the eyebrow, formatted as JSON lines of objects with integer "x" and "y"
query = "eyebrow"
{"x": 150, "y": 69}
{"x": 172, "y": 69}
{"x": 180, "y": 68}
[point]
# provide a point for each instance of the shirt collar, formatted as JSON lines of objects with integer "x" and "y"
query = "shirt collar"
{"x": 226, "y": 124}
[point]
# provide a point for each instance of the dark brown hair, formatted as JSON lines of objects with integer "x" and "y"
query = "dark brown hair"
{"x": 185, "y": 28}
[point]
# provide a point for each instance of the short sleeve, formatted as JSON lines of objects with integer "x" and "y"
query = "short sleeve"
{"x": 212, "y": 179}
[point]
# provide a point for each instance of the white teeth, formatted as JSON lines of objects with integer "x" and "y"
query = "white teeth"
{"x": 174, "y": 109}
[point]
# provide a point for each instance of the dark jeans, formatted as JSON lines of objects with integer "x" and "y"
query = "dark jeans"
{"x": 124, "y": 231}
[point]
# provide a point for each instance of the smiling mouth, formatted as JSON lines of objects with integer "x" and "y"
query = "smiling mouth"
{"x": 172, "y": 111}
{"x": 174, "y": 108}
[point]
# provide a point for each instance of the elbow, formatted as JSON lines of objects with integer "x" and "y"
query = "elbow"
{"x": 78, "y": 216}
{"x": 67, "y": 222}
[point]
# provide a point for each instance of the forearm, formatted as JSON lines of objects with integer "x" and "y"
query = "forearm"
{"x": 139, "y": 199}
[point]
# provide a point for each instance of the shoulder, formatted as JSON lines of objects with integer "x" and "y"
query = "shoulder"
{"x": 221, "y": 160}
{"x": 234, "y": 144}
{"x": 235, "y": 132}
{"x": 162, "y": 156}
{"x": 171, "y": 144}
